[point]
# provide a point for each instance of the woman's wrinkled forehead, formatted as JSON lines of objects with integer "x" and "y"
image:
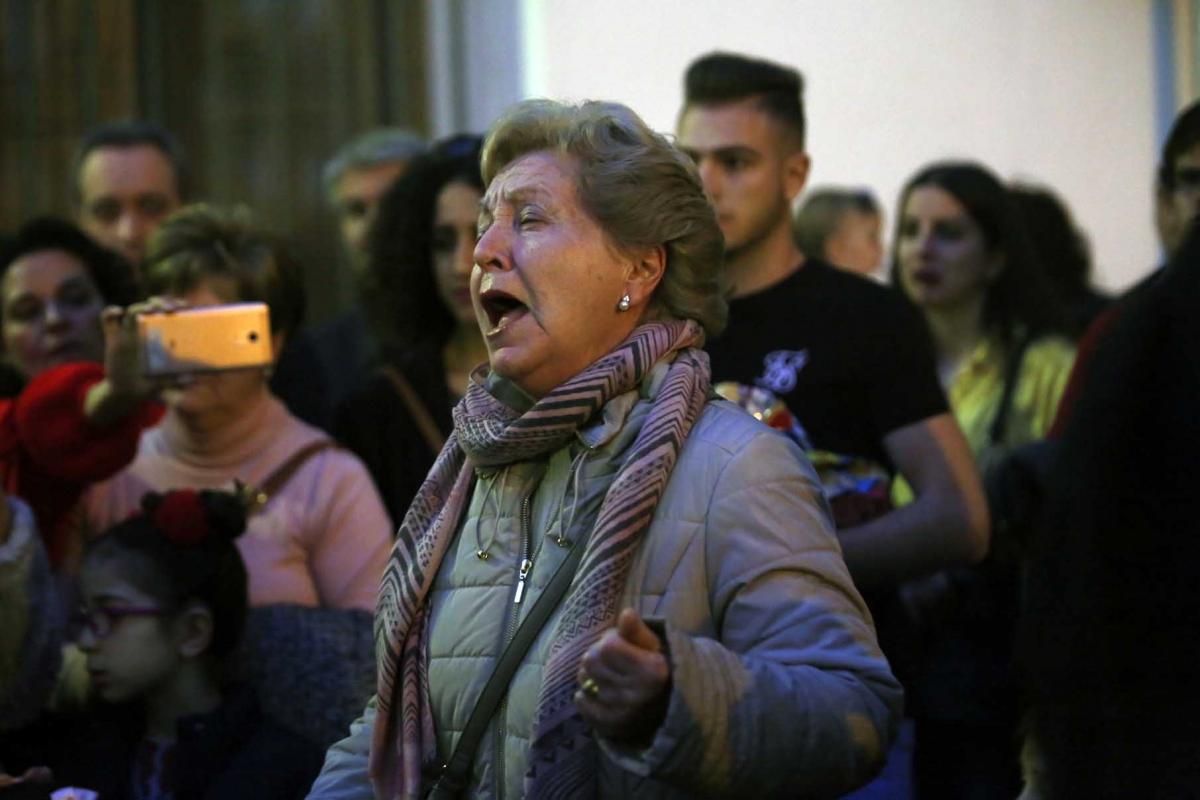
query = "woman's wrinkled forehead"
{"x": 542, "y": 176}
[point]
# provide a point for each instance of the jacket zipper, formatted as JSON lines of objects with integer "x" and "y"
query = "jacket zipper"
{"x": 514, "y": 614}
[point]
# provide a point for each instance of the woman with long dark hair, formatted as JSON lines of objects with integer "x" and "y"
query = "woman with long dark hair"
{"x": 963, "y": 258}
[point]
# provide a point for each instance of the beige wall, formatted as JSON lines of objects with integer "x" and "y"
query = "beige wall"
{"x": 1061, "y": 91}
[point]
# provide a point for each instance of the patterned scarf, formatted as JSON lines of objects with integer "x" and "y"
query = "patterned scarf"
{"x": 489, "y": 433}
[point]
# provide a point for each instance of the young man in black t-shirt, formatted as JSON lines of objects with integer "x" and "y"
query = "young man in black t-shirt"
{"x": 851, "y": 362}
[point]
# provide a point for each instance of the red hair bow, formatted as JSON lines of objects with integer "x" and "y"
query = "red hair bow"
{"x": 181, "y": 517}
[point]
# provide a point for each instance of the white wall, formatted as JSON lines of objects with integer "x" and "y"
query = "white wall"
{"x": 1061, "y": 91}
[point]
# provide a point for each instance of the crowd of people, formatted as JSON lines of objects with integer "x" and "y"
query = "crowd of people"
{"x": 618, "y": 479}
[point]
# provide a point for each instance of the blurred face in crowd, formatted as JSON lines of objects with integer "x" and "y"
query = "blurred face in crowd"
{"x": 1180, "y": 204}
{"x": 356, "y": 197}
{"x": 125, "y": 192}
{"x": 215, "y": 396}
{"x": 454, "y": 224}
{"x": 750, "y": 168}
{"x": 944, "y": 259}
{"x": 547, "y": 278}
{"x": 51, "y": 312}
{"x": 856, "y": 242}
{"x": 132, "y": 645}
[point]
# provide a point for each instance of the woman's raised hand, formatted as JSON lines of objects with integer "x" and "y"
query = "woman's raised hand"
{"x": 624, "y": 682}
{"x": 122, "y": 350}
{"x": 124, "y": 385}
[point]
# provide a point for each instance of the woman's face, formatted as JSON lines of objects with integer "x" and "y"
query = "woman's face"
{"x": 943, "y": 256}
{"x": 135, "y": 651}
{"x": 227, "y": 393}
{"x": 454, "y": 222}
{"x": 51, "y": 312}
{"x": 547, "y": 280}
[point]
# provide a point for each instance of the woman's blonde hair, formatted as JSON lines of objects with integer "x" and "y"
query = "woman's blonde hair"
{"x": 640, "y": 189}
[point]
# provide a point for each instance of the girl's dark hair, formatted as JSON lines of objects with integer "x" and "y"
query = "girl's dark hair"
{"x": 399, "y": 290}
{"x": 113, "y": 276}
{"x": 180, "y": 549}
{"x": 1019, "y": 298}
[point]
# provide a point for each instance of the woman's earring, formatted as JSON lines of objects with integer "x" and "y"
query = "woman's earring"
{"x": 623, "y": 304}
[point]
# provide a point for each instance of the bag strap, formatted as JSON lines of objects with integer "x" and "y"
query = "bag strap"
{"x": 1012, "y": 374}
{"x": 420, "y": 414}
{"x": 258, "y": 496}
{"x": 456, "y": 771}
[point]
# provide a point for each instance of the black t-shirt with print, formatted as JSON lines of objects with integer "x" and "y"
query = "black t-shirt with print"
{"x": 850, "y": 359}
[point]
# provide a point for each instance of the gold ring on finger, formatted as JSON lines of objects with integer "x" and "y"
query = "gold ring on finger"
{"x": 590, "y": 687}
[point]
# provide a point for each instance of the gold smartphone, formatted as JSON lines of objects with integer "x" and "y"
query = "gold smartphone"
{"x": 207, "y": 339}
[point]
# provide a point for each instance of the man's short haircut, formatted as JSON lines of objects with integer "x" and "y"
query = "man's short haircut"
{"x": 720, "y": 78}
{"x": 132, "y": 133}
{"x": 639, "y": 188}
{"x": 1184, "y": 135}
{"x": 375, "y": 147}
{"x": 821, "y": 212}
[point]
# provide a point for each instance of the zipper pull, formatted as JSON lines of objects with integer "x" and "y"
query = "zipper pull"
{"x": 526, "y": 565}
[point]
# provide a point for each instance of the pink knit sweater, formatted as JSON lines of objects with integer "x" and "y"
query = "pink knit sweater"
{"x": 322, "y": 540}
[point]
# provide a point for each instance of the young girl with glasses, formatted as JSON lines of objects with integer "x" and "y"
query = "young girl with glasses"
{"x": 163, "y": 607}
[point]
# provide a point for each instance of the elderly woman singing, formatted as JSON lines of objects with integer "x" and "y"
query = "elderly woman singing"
{"x": 611, "y": 584}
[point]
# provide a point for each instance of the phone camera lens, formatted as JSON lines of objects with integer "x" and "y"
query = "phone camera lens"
{"x": 254, "y": 336}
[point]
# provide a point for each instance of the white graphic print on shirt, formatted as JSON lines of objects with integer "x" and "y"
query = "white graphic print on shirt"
{"x": 780, "y": 370}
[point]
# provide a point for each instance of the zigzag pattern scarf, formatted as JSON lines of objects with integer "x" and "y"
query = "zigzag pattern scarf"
{"x": 488, "y": 433}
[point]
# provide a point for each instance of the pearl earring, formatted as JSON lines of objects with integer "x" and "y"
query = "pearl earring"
{"x": 623, "y": 305}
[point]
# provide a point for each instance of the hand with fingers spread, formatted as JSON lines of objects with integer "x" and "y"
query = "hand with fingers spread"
{"x": 624, "y": 681}
{"x": 124, "y": 385}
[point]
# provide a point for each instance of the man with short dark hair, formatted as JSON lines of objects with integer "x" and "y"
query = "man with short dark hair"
{"x": 129, "y": 176}
{"x": 850, "y": 360}
{"x": 852, "y": 363}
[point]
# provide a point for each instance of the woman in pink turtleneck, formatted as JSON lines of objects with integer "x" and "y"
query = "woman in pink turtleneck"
{"x": 322, "y": 539}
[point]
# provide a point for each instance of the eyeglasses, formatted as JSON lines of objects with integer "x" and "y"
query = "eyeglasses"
{"x": 101, "y": 621}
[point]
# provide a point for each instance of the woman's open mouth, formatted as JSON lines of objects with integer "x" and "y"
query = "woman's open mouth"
{"x": 502, "y": 310}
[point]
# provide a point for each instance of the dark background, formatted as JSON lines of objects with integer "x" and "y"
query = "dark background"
{"x": 259, "y": 92}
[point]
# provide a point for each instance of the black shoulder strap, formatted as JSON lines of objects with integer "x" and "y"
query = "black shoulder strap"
{"x": 456, "y": 772}
{"x": 258, "y": 496}
{"x": 420, "y": 414}
{"x": 1012, "y": 375}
